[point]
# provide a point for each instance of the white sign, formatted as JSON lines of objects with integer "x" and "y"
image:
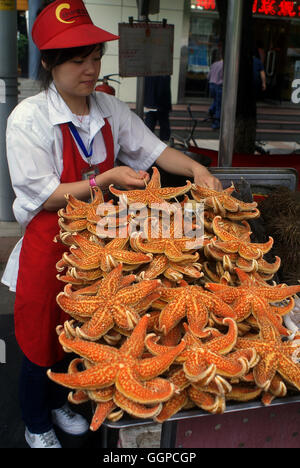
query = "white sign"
{"x": 2, "y": 92}
{"x": 145, "y": 49}
{"x": 296, "y": 94}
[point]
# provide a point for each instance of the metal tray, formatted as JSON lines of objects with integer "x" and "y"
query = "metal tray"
{"x": 262, "y": 177}
{"x": 169, "y": 427}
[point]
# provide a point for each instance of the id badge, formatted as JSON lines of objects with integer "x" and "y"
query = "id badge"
{"x": 90, "y": 171}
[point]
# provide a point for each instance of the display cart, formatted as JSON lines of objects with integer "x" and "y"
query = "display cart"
{"x": 248, "y": 424}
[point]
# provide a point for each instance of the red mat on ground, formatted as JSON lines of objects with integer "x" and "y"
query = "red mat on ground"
{"x": 255, "y": 160}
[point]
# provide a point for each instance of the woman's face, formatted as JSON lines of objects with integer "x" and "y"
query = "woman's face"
{"x": 76, "y": 78}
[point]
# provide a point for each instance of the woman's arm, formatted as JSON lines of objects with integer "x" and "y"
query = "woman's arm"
{"x": 122, "y": 176}
{"x": 175, "y": 162}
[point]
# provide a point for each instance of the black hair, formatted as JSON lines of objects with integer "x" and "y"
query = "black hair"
{"x": 55, "y": 57}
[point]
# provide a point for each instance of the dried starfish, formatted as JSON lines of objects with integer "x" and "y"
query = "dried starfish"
{"x": 174, "y": 271}
{"x": 168, "y": 240}
{"x": 276, "y": 356}
{"x": 193, "y": 302}
{"x": 124, "y": 367}
{"x": 253, "y": 297}
{"x": 74, "y": 216}
{"x": 222, "y": 202}
{"x": 153, "y": 192}
{"x": 105, "y": 257}
{"x": 232, "y": 244}
{"x": 112, "y": 304}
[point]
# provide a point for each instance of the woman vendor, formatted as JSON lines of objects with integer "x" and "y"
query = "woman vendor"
{"x": 66, "y": 139}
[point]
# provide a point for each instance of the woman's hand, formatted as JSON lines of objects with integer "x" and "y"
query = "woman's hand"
{"x": 126, "y": 178}
{"x": 204, "y": 178}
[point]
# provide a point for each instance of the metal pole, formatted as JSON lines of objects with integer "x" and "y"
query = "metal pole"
{"x": 140, "y": 81}
{"x": 230, "y": 81}
{"x": 9, "y": 97}
{"x": 34, "y": 53}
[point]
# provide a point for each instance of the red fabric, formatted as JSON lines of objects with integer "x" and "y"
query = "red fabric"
{"x": 36, "y": 312}
{"x": 255, "y": 160}
{"x": 63, "y": 25}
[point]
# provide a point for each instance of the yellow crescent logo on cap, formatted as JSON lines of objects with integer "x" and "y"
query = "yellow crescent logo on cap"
{"x": 62, "y": 6}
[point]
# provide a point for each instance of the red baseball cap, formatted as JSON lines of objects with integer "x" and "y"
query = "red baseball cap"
{"x": 64, "y": 24}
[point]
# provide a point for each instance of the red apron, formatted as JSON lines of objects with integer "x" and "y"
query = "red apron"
{"x": 36, "y": 312}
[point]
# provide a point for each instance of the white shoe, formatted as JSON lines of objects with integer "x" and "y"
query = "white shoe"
{"x": 44, "y": 440}
{"x": 68, "y": 421}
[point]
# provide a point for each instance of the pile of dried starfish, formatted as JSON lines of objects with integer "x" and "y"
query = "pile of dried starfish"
{"x": 162, "y": 322}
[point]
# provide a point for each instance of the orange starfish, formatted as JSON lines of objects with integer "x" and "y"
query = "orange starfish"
{"x": 74, "y": 216}
{"x": 112, "y": 304}
{"x": 134, "y": 377}
{"x": 167, "y": 239}
{"x": 153, "y": 192}
{"x": 276, "y": 356}
{"x": 224, "y": 204}
{"x": 171, "y": 270}
{"x": 232, "y": 244}
{"x": 193, "y": 302}
{"x": 253, "y": 297}
{"x": 95, "y": 255}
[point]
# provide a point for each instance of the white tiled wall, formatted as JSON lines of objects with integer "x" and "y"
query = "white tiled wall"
{"x": 108, "y": 13}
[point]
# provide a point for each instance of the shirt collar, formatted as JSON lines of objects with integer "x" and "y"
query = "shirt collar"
{"x": 60, "y": 113}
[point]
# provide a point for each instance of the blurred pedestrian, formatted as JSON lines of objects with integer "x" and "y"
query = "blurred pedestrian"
{"x": 157, "y": 102}
{"x": 215, "y": 78}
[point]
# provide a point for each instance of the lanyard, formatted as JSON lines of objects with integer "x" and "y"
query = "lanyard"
{"x": 80, "y": 142}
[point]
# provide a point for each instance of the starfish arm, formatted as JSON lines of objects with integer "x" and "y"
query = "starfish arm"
{"x": 101, "y": 412}
{"x": 155, "y": 348}
{"x": 151, "y": 367}
{"x": 225, "y": 343}
{"x": 135, "y": 343}
{"x": 153, "y": 245}
{"x": 278, "y": 293}
{"x": 249, "y": 251}
{"x": 171, "y": 192}
{"x": 197, "y": 316}
{"x": 171, "y": 314}
{"x": 266, "y": 267}
{"x": 289, "y": 370}
{"x": 87, "y": 246}
{"x": 78, "y": 397}
{"x": 243, "y": 308}
{"x": 132, "y": 195}
{"x": 264, "y": 247}
{"x": 99, "y": 376}
{"x": 130, "y": 386}
{"x": 172, "y": 406}
{"x": 155, "y": 268}
{"x": 103, "y": 395}
{"x": 125, "y": 316}
{"x": 100, "y": 323}
{"x": 94, "y": 352}
{"x": 136, "y": 292}
{"x": 265, "y": 370}
{"x": 175, "y": 254}
{"x": 243, "y": 393}
{"x": 206, "y": 401}
{"x": 197, "y": 370}
{"x": 112, "y": 282}
{"x": 228, "y": 293}
{"x": 136, "y": 409}
{"x": 154, "y": 182}
{"x": 80, "y": 306}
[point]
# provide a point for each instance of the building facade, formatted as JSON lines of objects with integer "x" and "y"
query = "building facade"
{"x": 197, "y": 44}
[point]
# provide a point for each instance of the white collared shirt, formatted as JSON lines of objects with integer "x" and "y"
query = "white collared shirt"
{"x": 34, "y": 150}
